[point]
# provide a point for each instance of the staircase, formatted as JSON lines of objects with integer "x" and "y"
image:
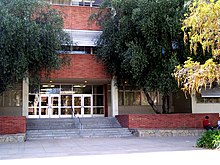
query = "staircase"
{"x": 66, "y": 128}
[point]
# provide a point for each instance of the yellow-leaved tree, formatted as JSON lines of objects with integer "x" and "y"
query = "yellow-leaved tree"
{"x": 201, "y": 28}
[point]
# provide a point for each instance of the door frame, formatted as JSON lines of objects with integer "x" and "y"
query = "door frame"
{"x": 49, "y": 106}
{"x": 83, "y": 106}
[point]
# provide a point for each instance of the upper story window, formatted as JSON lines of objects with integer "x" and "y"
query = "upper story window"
{"x": 76, "y": 2}
{"x": 78, "y": 49}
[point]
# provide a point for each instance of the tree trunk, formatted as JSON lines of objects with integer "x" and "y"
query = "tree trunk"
{"x": 150, "y": 101}
{"x": 166, "y": 104}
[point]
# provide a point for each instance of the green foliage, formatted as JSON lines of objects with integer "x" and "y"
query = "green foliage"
{"x": 30, "y": 35}
{"x": 209, "y": 139}
{"x": 134, "y": 34}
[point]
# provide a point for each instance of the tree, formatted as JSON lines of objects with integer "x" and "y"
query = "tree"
{"x": 201, "y": 27}
{"x": 30, "y": 35}
{"x": 139, "y": 43}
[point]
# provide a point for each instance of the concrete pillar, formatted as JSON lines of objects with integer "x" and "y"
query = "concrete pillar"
{"x": 114, "y": 98}
{"x": 194, "y": 103}
{"x": 25, "y": 96}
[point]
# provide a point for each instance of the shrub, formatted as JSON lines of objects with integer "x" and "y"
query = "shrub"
{"x": 209, "y": 139}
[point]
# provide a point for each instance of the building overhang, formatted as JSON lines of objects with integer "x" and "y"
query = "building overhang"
{"x": 210, "y": 92}
{"x": 77, "y": 81}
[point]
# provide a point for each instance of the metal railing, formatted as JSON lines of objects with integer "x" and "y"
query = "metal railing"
{"x": 79, "y": 121}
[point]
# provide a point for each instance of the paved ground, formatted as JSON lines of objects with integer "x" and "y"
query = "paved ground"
{"x": 153, "y": 150}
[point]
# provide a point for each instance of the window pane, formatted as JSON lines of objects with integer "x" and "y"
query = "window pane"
{"x": 155, "y": 96}
{"x": 44, "y": 101}
{"x": 61, "y": 2}
{"x": 66, "y": 111}
{"x": 33, "y": 111}
{"x": 66, "y": 100}
{"x": 12, "y": 98}
{"x": 143, "y": 99}
{"x": 98, "y": 100}
{"x": 98, "y": 111}
{"x": 129, "y": 98}
{"x": 87, "y": 110}
{"x": 137, "y": 98}
{"x": 98, "y": 89}
{"x": 66, "y": 89}
{"x": 207, "y": 99}
{"x": 120, "y": 98}
{"x": 87, "y": 89}
{"x": 33, "y": 101}
{"x": 50, "y": 89}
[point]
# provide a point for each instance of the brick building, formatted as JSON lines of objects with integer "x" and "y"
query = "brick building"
{"x": 82, "y": 87}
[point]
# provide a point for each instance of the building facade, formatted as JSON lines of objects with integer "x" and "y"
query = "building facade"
{"x": 83, "y": 87}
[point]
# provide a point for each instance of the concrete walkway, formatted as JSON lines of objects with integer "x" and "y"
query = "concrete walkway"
{"x": 155, "y": 150}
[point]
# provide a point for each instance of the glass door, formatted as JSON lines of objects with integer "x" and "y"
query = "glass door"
{"x": 49, "y": 106}
{"x": 66, "y": 105}
{"x": 54, "y": 106}
{"x": 87, "y": 105}
{"x": 33, "y": 106}
{"x": 82, "y": 105}
{"x": 44, "y": 106}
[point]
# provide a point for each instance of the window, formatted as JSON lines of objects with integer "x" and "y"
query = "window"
{"x": 61, "y": 2}
{"x": 77, "y": 49}
{"x": 11, "y": 97}
{"x": 50, "y": 89}
{"x": 132, "y": 96}
{"x": 76, "y": 2}
{"x": 129, "y": 96}
{"x": 201, "y": 99}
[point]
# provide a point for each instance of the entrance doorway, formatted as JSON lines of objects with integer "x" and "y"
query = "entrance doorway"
{"x": 49, "y": 106}
{"x": 61, "y": 101}
{"x": 82, "y": 105}
{"x": 56, "y": 106}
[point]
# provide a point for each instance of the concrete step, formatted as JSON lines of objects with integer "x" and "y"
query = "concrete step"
{"x": 65, "y": 128}
{"x": 47, "y": 124}
{"x": 99, "y": 122}
{"x": 75, "y": 133}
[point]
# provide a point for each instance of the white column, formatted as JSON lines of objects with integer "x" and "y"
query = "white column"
{"x": 193, "y": 103}
{"x": 114, "y": 98}
{"x": 25, "y": 96}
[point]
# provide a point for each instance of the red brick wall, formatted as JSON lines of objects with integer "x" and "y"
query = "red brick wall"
{"x": 12, "y": 124}
{"x": 76, "y": 17}
{"x": 166, "y": 120}
{"x": 82, "y": 66}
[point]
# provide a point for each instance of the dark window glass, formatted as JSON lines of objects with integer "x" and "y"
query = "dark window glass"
{"x": 98, "y": 100}
{"x": 98, "y": 89}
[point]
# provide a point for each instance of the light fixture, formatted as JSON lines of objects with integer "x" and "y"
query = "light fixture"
{"x": 79, "y": 86}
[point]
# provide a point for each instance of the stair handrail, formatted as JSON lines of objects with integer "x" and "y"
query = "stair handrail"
{"x": 80, "y": 123}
